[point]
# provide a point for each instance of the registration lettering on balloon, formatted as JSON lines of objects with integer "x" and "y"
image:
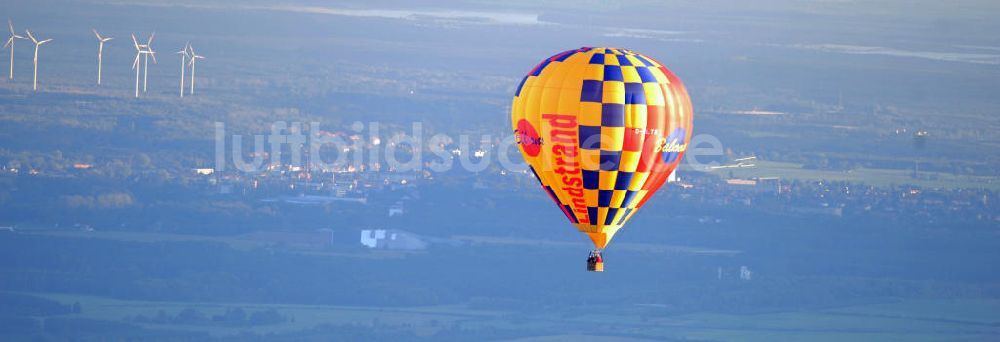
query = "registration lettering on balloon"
{"x": 644, "y": 131}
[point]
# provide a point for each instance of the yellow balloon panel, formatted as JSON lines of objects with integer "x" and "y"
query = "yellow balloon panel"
{"x": 602, "y": 129}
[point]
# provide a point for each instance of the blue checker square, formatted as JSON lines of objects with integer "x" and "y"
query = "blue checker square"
{"x": 592, "y": 91}
{"x": 645, "y": 75}
{"x": 612, "y": 115}
{"x": 592, "y": 213}
{"x": 627, "y": 200}
{"x": 623, "y": 60}
{"x": 604, "y": 197}
{"x": 634, "y": 93}
{"x": 623, "y": 180}
{"x": 590, "y": 137}
{"x": 644, "y": 60}
{"x": 613, "y": 73}
{"x": 611, "y": 216}
{"x": 591, "y": 179}
{"x": 597, "y": 58}
{"x": 610, "y": 160}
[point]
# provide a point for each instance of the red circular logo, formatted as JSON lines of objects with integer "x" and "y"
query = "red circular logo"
{"x": 526, "y": 136}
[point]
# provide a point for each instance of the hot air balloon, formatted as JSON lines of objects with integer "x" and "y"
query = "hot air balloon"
{"x": 601, "y": 129}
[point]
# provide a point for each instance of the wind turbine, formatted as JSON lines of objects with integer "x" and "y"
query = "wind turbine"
{"x": 184, "y": 55}
{"x": 10, "y": 42}
{"x": 100, "y": 53}
{"x": 142, "y": 50}
{"x": 135, "y": 64}
{"x": 194, "y": 58}
{"x": 149, "y": 52}
{"x": 37, "y": 44}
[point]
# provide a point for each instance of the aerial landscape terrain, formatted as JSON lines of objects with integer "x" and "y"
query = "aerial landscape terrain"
{"x": 841, "y": 183}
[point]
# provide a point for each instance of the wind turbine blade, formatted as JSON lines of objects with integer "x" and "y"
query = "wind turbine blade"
{"x": 97, "y": 34}
{"x": 135, "y": 42}
{"x": 45, "y": 41}
{"x": 10, "y": 25}
{"x": 108, "y": 38}
{"x": 150, "y": 41}
{"x": 9, "y": 41}
{"x": 153, "y": 54}
{"x": 136, "y": 62}
{"x": 31, "y": 36}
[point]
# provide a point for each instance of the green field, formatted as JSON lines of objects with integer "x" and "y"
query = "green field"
{"x": 423, "y": 320}
{"x": 877, "y": 177}
{"x": 907, "y": 320}
{"x": 910, "y": 320}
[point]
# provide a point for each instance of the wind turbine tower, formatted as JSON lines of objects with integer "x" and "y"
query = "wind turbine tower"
{"x": 37, "y": 44}
{"x": 184, "y": 56}
{"x": 149, "y": 53}
{"x": 141, "y": 50}
{"x": 194, "y": 57}
{"x": 100, "y": 53}
{"x": 10, "y": 42}
{"x": 135, "y": 64}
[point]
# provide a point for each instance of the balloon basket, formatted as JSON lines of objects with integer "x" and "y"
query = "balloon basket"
{"x": 596, "y": 267}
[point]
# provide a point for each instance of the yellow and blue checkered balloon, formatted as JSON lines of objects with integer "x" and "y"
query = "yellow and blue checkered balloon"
{"x": 602, "y": 129}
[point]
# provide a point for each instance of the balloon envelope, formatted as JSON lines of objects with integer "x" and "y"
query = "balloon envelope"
{"x": 602, "y": 129}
